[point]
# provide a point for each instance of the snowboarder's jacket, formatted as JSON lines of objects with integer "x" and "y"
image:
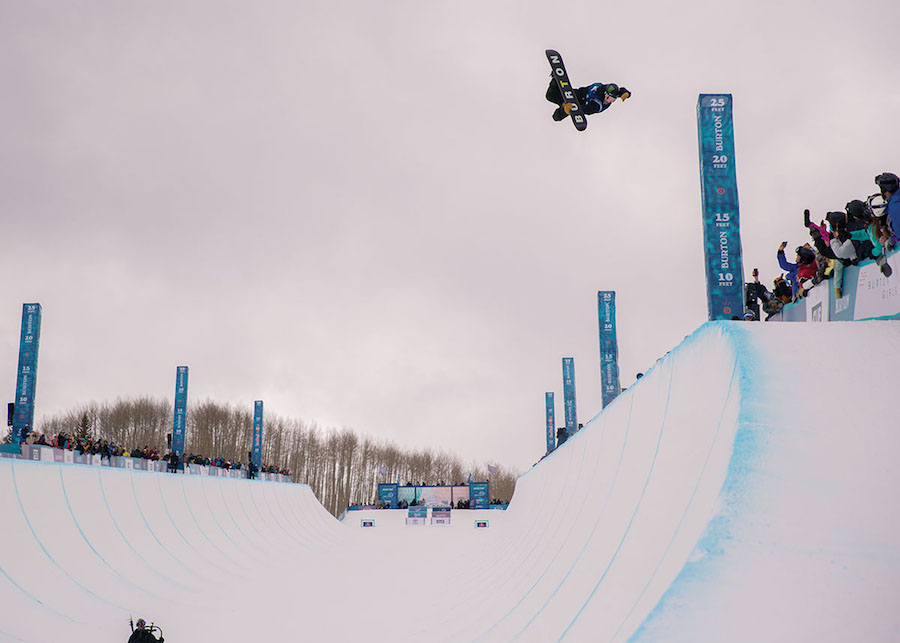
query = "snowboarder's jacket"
{"x": 591, "y": 98}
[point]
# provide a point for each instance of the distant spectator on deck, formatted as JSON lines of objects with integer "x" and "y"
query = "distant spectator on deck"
{"x": 561, "y": 436}
{"x": 754, "y": 293}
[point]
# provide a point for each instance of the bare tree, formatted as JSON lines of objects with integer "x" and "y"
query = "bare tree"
{"x": 339, "y": 466}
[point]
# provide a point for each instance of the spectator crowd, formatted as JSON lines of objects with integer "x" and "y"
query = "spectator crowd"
{"x": 107, "y": 449}
{"x": 862, "y": 230}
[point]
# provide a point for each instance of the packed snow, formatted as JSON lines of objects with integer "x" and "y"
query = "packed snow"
{"x": 744, "y": 489}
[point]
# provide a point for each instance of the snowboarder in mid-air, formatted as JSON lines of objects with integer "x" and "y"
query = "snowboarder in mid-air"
{"x": 578, "y": 103}
{"x": 593, "y": 98}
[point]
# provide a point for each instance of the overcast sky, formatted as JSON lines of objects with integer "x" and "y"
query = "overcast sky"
{"x": 362, "y": 213}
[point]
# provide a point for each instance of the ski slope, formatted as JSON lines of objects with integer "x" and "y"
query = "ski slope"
{"x": 744, "y": 490}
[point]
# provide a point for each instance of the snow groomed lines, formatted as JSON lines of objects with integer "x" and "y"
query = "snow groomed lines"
{"x": 93, "y": 549}
{"x": 49, "y": 556}
{"x": 600, "y": 513}
{"x": 630, "y": 522}
{"x": 155, "y": 537}
{"x": 700, "y": 479}
{"x": 572, "y": 526}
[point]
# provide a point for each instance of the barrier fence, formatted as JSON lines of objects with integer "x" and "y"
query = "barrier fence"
{"x": 866, "y": 294}
{"x": 40, "y": 453}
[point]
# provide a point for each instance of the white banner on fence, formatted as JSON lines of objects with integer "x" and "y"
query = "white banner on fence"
{"x": 817, "y": 304}
{"x": 877, "y": 295}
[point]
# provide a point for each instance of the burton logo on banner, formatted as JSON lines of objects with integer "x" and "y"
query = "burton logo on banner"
{"x": 180, "y": 416}
{"x": 551, "y": 421}
{"x": 721, "y": 217}
{"x": 609, "y": 350}
{"x": 568, "y": 364}
{"x": 257, "y": 432}
{"x": 26, "y": 379}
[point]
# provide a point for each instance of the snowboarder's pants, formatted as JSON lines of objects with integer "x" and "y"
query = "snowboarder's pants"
{"x": 556, "y": 98}
{"x": 553, "y": 94}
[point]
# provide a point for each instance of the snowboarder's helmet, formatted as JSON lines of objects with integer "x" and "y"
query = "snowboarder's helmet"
{"x": 888, "y": 182}
{"x": 612, "y": 90}
{"x": 749, "y": 315}
{"x": 140, "y": 623}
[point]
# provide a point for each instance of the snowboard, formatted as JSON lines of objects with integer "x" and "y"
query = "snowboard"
{"x": 565, "y": 88}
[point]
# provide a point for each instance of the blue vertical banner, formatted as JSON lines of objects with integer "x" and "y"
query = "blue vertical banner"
{"x": 721, "y": 216}
{"x": 26, "y": 378}
{"x": 609, "y": 348}
{"x": 179, "y": 420}
{"x": 257, "y": 432}
{"x": 551, "y": 421}
{"x": 568, "y": 364}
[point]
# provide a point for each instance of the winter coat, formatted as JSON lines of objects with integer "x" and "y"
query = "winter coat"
{"x": 142, "y": 636}
{"x": 591, "y": 98}
{"x": 831, "y": 250}
{"x": 806, "y": 271}
{"x": 892, "y": 210}
{"x": 755, "y": 291}
{"x": 790, "y": 269}
{"x": 782, "y": 291}
{"x": 863, "y": 240}
{"x": 825, "y": 268}
{"x": 797, "y": 272}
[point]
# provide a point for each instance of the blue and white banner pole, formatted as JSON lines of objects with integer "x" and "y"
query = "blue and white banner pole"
{"x": 609, "y": 349}
{"x": 551, "y": 421}
{"x": 257, "y": 433}
{"x": 179, "y": 421}
{"x": 26, "y": 377}
{"x": 568, "y": 364}
{"x": 721, "y": 214}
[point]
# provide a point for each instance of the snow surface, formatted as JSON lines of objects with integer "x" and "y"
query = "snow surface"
{"x": 744, "y": 490}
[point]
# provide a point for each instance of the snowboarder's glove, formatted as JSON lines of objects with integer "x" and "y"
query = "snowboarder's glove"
{"x": 806, "y": 218}
{"x": 624, "y": 94}
{"x": 567, "y": 108}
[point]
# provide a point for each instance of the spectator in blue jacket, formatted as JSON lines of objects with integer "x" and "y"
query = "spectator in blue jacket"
{"x": 890, "y": 191}
{"x": 797, "y": 273}
{"x": 790, "y": 269}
